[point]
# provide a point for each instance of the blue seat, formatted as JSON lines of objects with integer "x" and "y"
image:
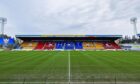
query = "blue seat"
{"x": 69, "y": 45}
{"x": 78, "y": 45}
{"x": 11, "y": 41}
{"x": 1, "y": 41}
{"x": 59, "y": 45}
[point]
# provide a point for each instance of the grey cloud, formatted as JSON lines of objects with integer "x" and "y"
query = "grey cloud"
{"x": 70, "y": 16}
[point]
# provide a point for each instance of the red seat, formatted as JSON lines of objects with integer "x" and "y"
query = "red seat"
{"x": 49, "y": 45}
{"x": 111, "y": 45}
{"x": 40, "y": 46}
{"x": 116, "y": 45}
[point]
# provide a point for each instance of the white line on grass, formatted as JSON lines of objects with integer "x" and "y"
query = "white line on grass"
{"x": 69, "y": 64}
{"x": 111, "y": 82}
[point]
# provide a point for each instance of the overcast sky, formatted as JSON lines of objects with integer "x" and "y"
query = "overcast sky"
{"x": 70, "y": 16}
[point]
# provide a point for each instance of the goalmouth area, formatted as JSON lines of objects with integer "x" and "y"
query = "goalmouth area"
{"x": 70, "y": 67}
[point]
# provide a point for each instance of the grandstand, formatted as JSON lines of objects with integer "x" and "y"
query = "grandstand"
{"x": 29, "y": 45}
{"x": 99, "y": 45}
{"x": 88, "y": 45}
{"x": 6, "y": 43}
{"x": 69, "y": 42}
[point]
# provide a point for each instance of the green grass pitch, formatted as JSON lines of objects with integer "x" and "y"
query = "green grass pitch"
{"x": 65, "y": 66}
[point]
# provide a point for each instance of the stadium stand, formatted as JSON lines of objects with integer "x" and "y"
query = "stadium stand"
{"x": 59, "y": 45}
{"x": 70, "y": 42}
{"x": 11, "y": 41}
{"x": 108, "y": 45}
{"x": 49, "y": 46}
{"x": 99, "y": 45}
{"x": 88, "y": 45}
{"x": 40, "y": 46}
{"x": 69, "y": 45}
{"x": 111, "y": 45}
{"x": 116, "y": 46}
{"x": 78, "y": 45}
{"x": 28, "y": 45}
{"x": 1, "y": 41}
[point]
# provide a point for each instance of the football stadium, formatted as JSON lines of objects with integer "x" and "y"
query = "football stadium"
{"x": 68, "y": 59}
{"x": 97, "y": 58}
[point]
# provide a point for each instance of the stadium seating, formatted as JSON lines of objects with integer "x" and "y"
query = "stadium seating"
{"x": 111, "y": 45}
{"x": 59, "y": 45}
{"x": 99, "y": 45}
{"x": 11, "y": 41}
{"x": 28, "y": 45}
{"x": 69, "y": 45}
{"x": 116, "y": 46}
{"x": 24, "y": 45}
{"x": 78, "y": 45}
{"x": 49, "y": 45}
{"x": 40, "y": 46}
{"x": 108, "y": 45}
{"x": 88, "y": 45}
{"x": 1, "y": 41}
{"x": 70, "y": 42}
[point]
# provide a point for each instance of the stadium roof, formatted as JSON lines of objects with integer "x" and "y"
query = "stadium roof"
{"x": 118, "y": 36}
{"x": 68, "y": 37}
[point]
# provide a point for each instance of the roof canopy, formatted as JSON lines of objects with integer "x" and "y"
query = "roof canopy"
{"x": 68, "y": 37}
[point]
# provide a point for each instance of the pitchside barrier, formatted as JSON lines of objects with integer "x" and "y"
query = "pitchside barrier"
{"x": 135, "y": 47}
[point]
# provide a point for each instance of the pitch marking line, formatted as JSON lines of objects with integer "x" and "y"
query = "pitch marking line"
{"x": 69, "y": 64}
{"x": 71, "y": 82}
